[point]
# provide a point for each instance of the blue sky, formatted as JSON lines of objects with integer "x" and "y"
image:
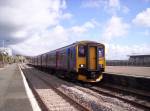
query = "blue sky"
{"x": 37, "y": 26}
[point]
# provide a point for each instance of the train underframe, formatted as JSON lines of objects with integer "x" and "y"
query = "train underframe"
{"x": 83, "y": 75}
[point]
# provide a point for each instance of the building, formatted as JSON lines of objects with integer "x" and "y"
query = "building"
{"x": 134, "y": 60}
{"x": 140, "y": 60}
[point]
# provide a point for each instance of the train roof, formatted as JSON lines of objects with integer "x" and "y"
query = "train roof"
{"x": 86, "y": 41}
{"x": 75, "y": 43}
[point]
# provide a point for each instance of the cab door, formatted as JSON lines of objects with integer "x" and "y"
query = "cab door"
{"x": 92, "y": 58}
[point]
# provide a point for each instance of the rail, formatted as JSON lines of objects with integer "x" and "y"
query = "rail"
{"x": 136, "y": 99}
{"x": 80, "y": 106}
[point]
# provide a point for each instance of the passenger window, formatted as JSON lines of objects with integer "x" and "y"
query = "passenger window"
{"x": 81, "y": 50}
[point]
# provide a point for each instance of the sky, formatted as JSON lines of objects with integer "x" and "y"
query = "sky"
{"x": 32, "y": 27}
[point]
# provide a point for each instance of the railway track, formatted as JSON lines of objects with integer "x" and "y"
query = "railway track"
{"x": 56, "y": 95}
{"x": 137, "y": 99}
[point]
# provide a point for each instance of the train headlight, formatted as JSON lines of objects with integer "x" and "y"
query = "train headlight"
{"x": 82, "y": 65}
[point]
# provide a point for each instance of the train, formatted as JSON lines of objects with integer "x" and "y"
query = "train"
{"x": 83, "y": 61}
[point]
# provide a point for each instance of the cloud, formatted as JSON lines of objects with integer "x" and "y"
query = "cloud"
{"x": 115, "y": 27}
{"x": 118, "y": 52}
{"x": 67, "y": 16}
{"x": 110, "y": 6}
{"x": 93, "y": 3}
{"x": 41, "y": 43}
{"x": 33, "y": 26}
{"x": 100, "y": 3}
{"x": 80, "y": 29}
{"x": 143, "y": 18}
{"x": 20, "y": 19}
{"x": 56, "y": 37}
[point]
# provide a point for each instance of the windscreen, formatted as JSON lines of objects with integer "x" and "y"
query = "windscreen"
{"x": 100, "y": 52}
{"x": 81, "y": 50}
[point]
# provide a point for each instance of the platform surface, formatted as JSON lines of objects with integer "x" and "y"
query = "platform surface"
{"x": 128, "y": 70}
{"x": 13, "y": 96}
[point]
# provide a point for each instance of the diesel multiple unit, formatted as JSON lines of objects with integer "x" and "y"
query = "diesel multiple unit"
{"x": 84, "y": 61}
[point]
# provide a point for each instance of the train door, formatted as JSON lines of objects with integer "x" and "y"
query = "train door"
{"x": 92, "y": 58}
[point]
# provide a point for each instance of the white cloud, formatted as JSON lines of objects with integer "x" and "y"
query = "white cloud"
{"x": 56, "y": 37}
{"x": 41, "y": 43}
{"x": 67, "y": 16}
{"x": 143, "y": 18}
{"x": 80, "y": 29}
{"x": 110, "y": 6}
{"x": 118, "y": 52}
{"x": 99, "y": 3}
{"x": 93, "y": 3}
{"x": 21, "y": 19}
{"x": 115, "y": 27}
{"x": 33, "y": 25}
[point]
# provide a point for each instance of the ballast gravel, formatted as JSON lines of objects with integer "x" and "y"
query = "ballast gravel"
{"x": 91, "y": 100}
{"x": 51, "y": 99}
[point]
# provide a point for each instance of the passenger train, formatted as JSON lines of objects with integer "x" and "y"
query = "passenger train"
{"x": 83, "y": 60}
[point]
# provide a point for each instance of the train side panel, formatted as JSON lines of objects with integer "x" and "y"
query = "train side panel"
{"x": 51, "y": 60}
{"x": 72, "y": 58}
{"x": 44, "y": 60}
{"x": 39, "y": 61}
{"x": 62, "y": 59}
{"x": 83, "y": 60}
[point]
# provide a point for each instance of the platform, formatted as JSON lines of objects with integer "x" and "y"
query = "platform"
{"x": 129, "y": 71}
{"x": 127, "y": 76}
{"x": 13, "y": 96}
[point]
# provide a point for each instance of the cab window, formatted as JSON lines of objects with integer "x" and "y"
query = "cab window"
{"x": 101, "y": 52}
{"x": 81, "y": 50}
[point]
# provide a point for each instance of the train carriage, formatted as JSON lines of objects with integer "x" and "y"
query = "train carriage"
{"x": 84, "y": 60}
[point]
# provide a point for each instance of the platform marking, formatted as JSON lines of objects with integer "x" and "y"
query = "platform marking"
{"x": 30, "y": 95}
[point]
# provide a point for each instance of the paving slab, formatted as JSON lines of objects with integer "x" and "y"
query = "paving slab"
{"x": 13, "y": 96}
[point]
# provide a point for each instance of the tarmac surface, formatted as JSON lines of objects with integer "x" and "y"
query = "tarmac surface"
{"x": 128, "y": 70}
{"x": 13, "y": 96}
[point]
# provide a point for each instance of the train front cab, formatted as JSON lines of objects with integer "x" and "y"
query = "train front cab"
{"x": 90, "y": 61}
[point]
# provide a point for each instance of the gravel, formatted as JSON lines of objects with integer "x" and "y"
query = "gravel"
{"x": 51, "y": 99}
{"x": 87, "y": 98}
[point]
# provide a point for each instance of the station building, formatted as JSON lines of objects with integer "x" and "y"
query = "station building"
{"x": 140, "y": 59}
